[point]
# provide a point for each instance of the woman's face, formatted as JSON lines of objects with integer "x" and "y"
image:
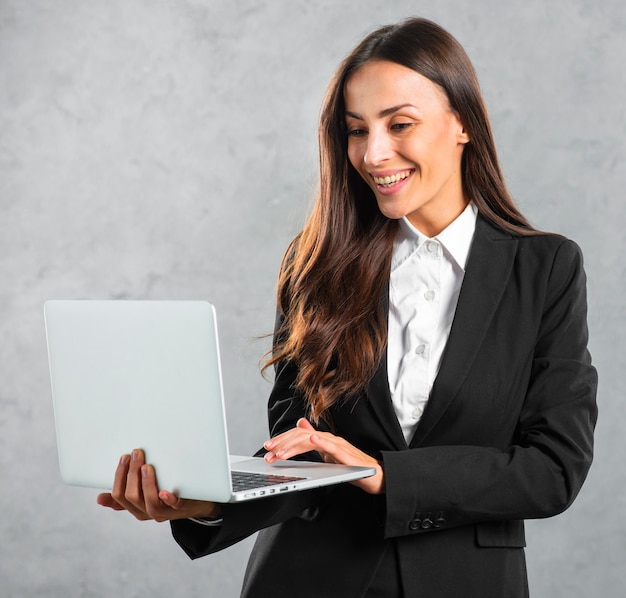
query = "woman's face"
{"x": 406, "y": 143}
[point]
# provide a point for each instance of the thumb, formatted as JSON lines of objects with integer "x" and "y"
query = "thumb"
{"x": 305, "y": 424}
{"x": 171, "y": 500}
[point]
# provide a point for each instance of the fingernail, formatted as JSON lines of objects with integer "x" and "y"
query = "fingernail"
{"x": 144, "y": 471}
{"x": 268, "y": 444}
{"x": 135, "y": 455}
{"x": 269, "y": 456}
{"x": 124, "y": 459}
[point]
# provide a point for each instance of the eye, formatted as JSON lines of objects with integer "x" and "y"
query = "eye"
{"x": 356, "y": 132}
{"x": 400, "y": 126}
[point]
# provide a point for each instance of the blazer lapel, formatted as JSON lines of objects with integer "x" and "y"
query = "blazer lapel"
{"x": 488, "y": 268}
{"x": 379, "y": 398}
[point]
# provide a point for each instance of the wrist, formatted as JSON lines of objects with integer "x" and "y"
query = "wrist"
{"x": 213, "y": 514}
{"x": 381, "y": 473}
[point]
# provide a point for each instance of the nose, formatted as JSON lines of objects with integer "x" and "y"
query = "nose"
{"x": 378, "y": 148}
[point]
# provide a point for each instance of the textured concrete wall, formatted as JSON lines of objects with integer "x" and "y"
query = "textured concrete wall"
{"x": 166, "y": 149}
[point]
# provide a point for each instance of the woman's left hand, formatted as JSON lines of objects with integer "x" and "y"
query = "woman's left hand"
{"x": 333, "y": 449}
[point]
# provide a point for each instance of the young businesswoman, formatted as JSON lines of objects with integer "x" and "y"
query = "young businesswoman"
{"x": 425, "y": 328}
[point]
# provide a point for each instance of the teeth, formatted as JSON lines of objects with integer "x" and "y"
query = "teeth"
{"x": 387, "y": 181}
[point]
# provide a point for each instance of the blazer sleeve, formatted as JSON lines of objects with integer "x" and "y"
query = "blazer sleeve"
{"x": 240, "y": 520}
{"x": 542, "y": 470}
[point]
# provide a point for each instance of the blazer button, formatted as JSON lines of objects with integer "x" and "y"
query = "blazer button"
{"x": 427, "y": 523}
{"x": 415, "y": 524}
{"x": 439, "y": 522}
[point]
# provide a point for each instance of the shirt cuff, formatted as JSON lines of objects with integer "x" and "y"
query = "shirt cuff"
{"x": 207, "y": 522}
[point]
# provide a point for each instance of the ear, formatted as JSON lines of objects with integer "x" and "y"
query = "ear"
{"x": 462, "y": 135}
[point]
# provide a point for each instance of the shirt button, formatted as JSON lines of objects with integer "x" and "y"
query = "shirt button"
{"x": 429, "y": 295}
{"x": 417, "y": 412}
{"x": 419, "y": 350}
{"x": 431, "y": 247}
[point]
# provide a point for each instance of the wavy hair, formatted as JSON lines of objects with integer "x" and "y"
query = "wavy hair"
{"x": 335, "y": 273}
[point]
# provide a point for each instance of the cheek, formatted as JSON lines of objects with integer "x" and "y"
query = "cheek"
{"x": 355, "y": 155}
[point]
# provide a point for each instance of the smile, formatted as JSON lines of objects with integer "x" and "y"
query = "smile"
{"x": 389, "y": 181}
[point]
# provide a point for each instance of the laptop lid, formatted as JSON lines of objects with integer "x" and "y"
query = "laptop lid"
{"x": 128, "y": 374}
{"x": 147, "y": 374}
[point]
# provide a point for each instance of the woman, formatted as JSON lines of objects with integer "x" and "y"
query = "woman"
{"x": 424, "y": 328}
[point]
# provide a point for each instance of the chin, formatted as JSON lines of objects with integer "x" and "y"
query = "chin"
{"x": 391, "y": 214}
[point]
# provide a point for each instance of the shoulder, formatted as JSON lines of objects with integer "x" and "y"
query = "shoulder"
{"x": 540, "y": 246}
{"x": 539, "y": 260}
{"x": 556, "y": 250}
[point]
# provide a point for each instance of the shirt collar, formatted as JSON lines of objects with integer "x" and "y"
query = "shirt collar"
{"x": 456, "y": 238}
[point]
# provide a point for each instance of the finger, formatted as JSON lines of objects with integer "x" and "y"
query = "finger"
{"x": 290, "y": 447}
{"x": 121, "y": 487}
{"x": 153, "y": 503}
{"x": 271, "y": 443}
{"x": 171, "y": 500}
{"x": 106, "y": 500}
{"x": 338, "y": 451}
{"x": 284, "y": 443}
{"x": 301, "y": 425}
{"x": 118, "y": 491}
{"x": 162, "y": 505}
{"x": 327, "y": 457}
{"x": 328, "y": 448}
{"x": 305, "y": 424}
{"x": 134, "y": 490}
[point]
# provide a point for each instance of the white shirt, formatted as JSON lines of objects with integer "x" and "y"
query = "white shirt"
{"x": 426, "y": 277}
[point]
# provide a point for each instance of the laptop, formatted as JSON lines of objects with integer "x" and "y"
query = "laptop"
{"x": 147, "y": 374}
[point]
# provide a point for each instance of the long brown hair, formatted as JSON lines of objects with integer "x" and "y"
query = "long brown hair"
{"x": 336, "y": 271}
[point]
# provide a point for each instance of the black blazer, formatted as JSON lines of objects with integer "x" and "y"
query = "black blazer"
{"x": 506, "y": 436}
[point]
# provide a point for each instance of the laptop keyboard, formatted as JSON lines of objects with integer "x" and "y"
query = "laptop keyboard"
{"x": 243, "y": 480}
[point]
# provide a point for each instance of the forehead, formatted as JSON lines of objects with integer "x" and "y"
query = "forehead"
{"x": 378, "y": 85}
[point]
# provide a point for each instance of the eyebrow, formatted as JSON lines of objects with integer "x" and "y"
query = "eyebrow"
{"x": 382, "y": 113}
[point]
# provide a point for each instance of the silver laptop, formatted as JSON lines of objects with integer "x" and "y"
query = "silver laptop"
{"x": 146, "y": 374}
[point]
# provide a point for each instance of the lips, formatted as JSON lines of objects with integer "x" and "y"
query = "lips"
{"x": 387, "y": 181}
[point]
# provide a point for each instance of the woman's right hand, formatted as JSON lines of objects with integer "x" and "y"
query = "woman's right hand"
{"x": 135, "y": 490}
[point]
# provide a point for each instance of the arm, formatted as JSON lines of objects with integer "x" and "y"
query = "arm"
{"x": 333, "y": 449}
{"x": 135, "y": 490}
{"x": 241, "y": 520}
{"x": 292, "y": 436}
{"x": 538, "y": 474}
{"x": 536, "y": 465}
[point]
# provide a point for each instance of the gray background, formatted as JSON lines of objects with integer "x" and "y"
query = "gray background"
{"x": 167, "y": 149}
